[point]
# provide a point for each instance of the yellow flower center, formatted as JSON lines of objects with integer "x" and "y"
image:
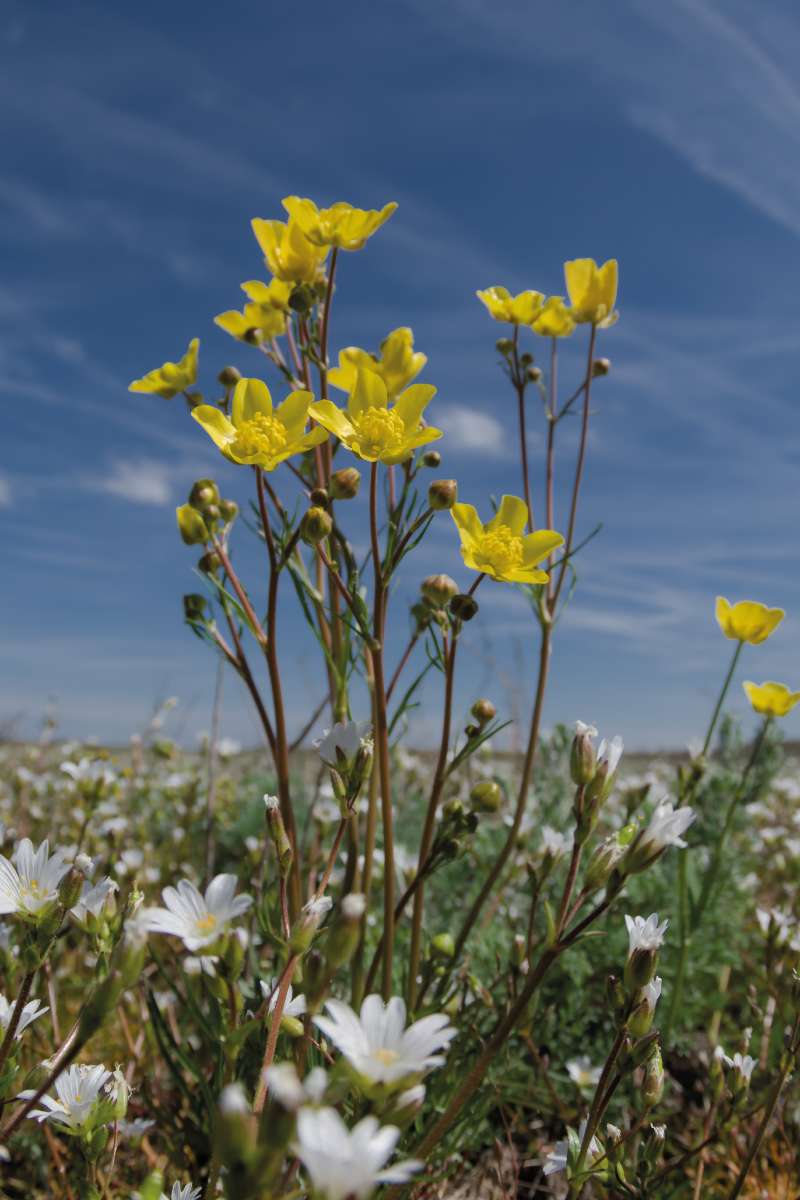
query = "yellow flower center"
{"x": 206, "y": 924}
{"x": 386, "y": 1057}
{"x": 500, "y": 550}
{"x": 260, "y": 435}
{"x": 32, "y": 888}
{"x": 379, "y": 431}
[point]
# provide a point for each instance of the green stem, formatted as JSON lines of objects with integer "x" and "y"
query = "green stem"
{"x": 721, "y": 698}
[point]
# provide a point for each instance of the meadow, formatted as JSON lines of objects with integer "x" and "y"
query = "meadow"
{"x": 336, "y": 965}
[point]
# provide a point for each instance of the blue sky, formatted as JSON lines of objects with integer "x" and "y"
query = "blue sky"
{"x": 138, "y": 141}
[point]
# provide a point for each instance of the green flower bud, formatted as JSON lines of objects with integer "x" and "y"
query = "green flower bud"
{"x": 302, "y": 298}
{"x": 307, "y": 924}
{"x": 315, "y": 526}
{"x": 600, "y": 366}
{"x": 463, "y": 607}
{"x": 70, "y": 888}
{"x": 533, "y": 374}
{"x": 431, "y": 458}
{"x": 486, "y": 796}
{"x": 229, "y": 377}
{"x": 653, "y": 1085}
{"x": 443, "y": 945}
{"x": 229, "y": 510}
{"x": 442, "y": 494}
{"x": 203, "y": 493}
{"x": 194, "y": 607}
{"x": 583, "y": 757}
{"x": 483, "y": 711}
{"x": 191, "y": 526}
{"x": 439, "y": 590}
{"x": 345, "y": 484}
{"x": 318, "y": 496}
{"x": 280, "y": 838}
{"x": 504, "y": 346}
{"x": 342, "y": 941}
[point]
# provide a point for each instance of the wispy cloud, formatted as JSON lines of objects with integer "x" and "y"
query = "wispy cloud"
{"x": 470, "y": 431}
{"x": 141, "y": 481}
{"x": 5, "y": 491}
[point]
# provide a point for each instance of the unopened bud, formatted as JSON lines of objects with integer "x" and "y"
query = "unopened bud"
{"x": 443, "y": 945}
{"x": 463, "y": 607}
{"x": 439, "y": 590}
{"x": 345, "y": 934}
{"x": 345, "y": 484}
{"x": 315, "y": 526}
{"x": 653, "y": 1085}
{"x": 70, "y": 887}
{"x": 533, "y": 374}
{"x": 209, "y": 564}
{"x": 432, "y": 459}
{"x": 318, "y": 496}
{"x": 307, "y": 924}
{"x": 486, "y": 796}
{"x": 601, "y": 366}
{"x": 191, "y": 526}
{"x": 483, "y": 711}
{"x": 229, "y": 510}
{"x": 504, "y": 345}
{"x": 583, "y": 756}
{"x": 194, "y": 607}
{"x": 204, "y": 492}
{"x": 280, "y": 838}
{"x": 302, "y": 298}
{"x": 229, "y": 377}
{"x": 442, "y": 494}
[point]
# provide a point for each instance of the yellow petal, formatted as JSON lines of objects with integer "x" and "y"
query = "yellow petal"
{"x": 250, "y": 396}
{"x": 216, "y": 425}
{"x": 468, "y": 523}
{"x": 293, "y": 412}
{"x": 412, "y": 404}
{"x": 369, "y": 392}
{"x": 512, "y": 512}
{"x": 332, "y": 418}
{"x": 538, "y": 545}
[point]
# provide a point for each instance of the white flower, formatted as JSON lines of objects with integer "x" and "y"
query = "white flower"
{"x": 584, "y": 730}
{"x": 581, "y": 1072}
{"x": 378, "y": 1045}
{"x": 347, "y": 1163}
{"x": 29, "y": 883}
{"x": 88, "y": 773}
{"x": 742, "y": 1064}
{"x": 137, "y": 1127}
{"x": 29, "y": 1013}
{"x": 197, "y": 920}
{"x": 776, "y": 922}
{"x": 343, "y": 742}
{"x": 79, "y": 1089}
{"x": 204, "y": 964}
{"x": 92, "y": 899}
{"x": 651, "y": 994}
{"x": 227, "y": 747}
{"x": 645, "y": 933}
{"x": 610, "y": 753}
{"x": 659, "y": 1132}
{"x": 555, "y": 844}
{"x": 295, "y": 1006}
{"x": 557, "y": 1158}
{"x": 667, "y": 827}
{"x": 185, "y": 1192}
{"x": 233, "y": 1100}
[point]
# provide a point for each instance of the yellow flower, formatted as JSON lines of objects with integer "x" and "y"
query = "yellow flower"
{"x": 747, "y": 621}
{"x": 592, "y": 291}
{"x": 289, "y": 254}
{"x": 258, "y": 322}
{"x": 771, "y": 699}
{"x": 340, "y": 225}
{"x": 501, "y": 548}
{"x": 171, "y": 378}
{"x": 373, "y": 430}
{"x": 518, "y": 310}
{"x": 274, "y": 294}
{"x": 256, "y": 434}
{"x": 397, "y": 365}
{"x": 555, "y": 319}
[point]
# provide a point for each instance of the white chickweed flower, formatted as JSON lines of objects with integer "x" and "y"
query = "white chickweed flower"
{"x": 295, "y": 1006}
{"x": 667, "y": 827}
{"x": 79, "y": 1091}
{"x": 347, "y": 1163}
{"x": 341, "y": 744}
{"x": 183, "y": 1192}
{"x": 582, "y": 1072}
{"x": 645, "y": 933}
{"x": 377, "y": 1043}
{"x": 29, "y": 882}
{"x": 29, "y": 1013}
{"x": 558, "y": 1158}
{"x": 651, "y": 994}
{"x": 197, "y": 920}
{"x": 92, "y": 899}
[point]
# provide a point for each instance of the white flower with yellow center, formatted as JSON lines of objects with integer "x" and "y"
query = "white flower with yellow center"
{"x": 29, "y": 882}
{"x": 79, "y": 1091}
{"x": 196, "y": 919}
{"x": 347, "y": 1164}
{"x": 29, "y": 1013}
{"x": 377, "y": 1043}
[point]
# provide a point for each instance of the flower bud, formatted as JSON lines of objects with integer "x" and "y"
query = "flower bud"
{"x": 463, "y": 607}
{"x": 653, "y": 1085}
{"x": 421, "y": 616}
{"x": 203, "y": 493}
{"x": 486, "y": 796}
{"x": 504, "y": 345}
{"x": 345, "y": 484}
{"x": 151, "y": 1188}
{"x": 194, "y": 607}
{"x": 583, "y": 757}
{"x": 307, "y": 924}
{"x": 343, "y": 939}
{"x": 443, "y": 945}
{"x": 229, "y": 377}
{"x": 640, "y": 968}
{"x": 483, "y": 711}
{"x": 302, "y": 298}
{"x": 600, "y": 366}
{"x": 442, "y": 494}
{"x": 439, "y": 590}
{"x": 280, "y": 838}
{"x": 318, "y": 496}
{"x": 191, "y": 526}
{"x": 533, "y": 374}
{"x": 229, "y": 510}
{"x": 315, "y": 526}
{"x": 431, "y": 458}
{"x": 209, "y": 564}
{"x": 70, "y": 888}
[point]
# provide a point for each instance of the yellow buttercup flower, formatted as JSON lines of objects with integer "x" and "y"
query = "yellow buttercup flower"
{"x": 258, "y": 322}
{"x": 289, "y": 254}
{"x": 747, "y": 621}
{"x": 397, "y": 365}
{"x": 255, "y": 434}
{"x": 771, "y": 699}
{"x": 274, "y": 294}
{"x": 373, "y": 430}
{"x": 555, "y": 319}
{"x": 517, "y": 310}
{"x": 592, "y": 291}
{"x": 501, "y": 548}
{"x": 171, "y": 378}
{"x": 341, "y": 225}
